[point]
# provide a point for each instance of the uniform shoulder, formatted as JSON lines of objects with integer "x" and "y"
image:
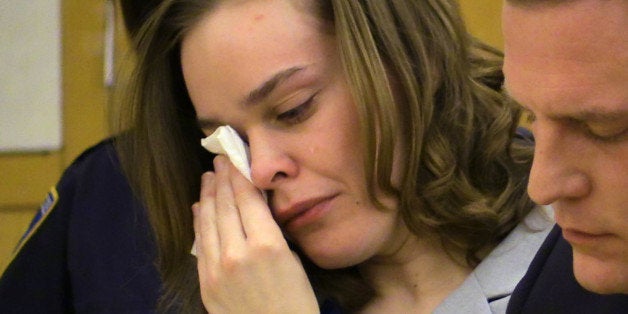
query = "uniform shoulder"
{"x": 103, "y": 149}
{"x": 99, "y": 160}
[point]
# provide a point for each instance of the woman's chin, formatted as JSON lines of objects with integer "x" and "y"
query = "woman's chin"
{"x": 333, "y": 259}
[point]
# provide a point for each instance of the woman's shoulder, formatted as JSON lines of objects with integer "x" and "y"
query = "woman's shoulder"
{"x": 491, "y": 283}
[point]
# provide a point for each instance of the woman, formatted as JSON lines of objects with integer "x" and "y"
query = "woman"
{"x": 377, "y": 129}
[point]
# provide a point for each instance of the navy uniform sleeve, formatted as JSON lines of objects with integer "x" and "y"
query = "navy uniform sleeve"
{"x": 549, "y": 286}
{"x": 90, "y": 247}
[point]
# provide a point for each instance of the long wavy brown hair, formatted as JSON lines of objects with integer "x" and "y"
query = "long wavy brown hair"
{"x": 465, "y": 175}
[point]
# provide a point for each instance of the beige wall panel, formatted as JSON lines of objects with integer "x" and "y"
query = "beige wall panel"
{"x": 85, "y": 97}
{"x": 27, "y": 178}
{"x": 483, "y": 20}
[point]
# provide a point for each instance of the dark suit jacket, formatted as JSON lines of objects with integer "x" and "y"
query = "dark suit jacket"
{"x": 549, "y": 286}
{"x": 89, "y": 248}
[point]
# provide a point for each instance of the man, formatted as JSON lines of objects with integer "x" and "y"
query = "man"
{"x": 567, "y": 62}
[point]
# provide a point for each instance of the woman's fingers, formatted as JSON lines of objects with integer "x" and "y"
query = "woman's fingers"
{"x": 205, "y": 228}
{"x": 232, "y": 236}
{"x": 233, "y": 212}
{"x": 257, "y": 219}
{"x": 245, "y": 265}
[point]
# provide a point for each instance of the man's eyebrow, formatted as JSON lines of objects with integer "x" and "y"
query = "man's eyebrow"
{"x": 593, "y": 114}
{"x": 602, "y": 115}
{"x": 268, "y": 86}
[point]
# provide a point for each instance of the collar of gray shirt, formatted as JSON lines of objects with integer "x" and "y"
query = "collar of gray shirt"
{"x": 489, "y": 286}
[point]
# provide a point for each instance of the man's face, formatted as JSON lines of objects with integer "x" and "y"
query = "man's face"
{"x": 568, "y": 64}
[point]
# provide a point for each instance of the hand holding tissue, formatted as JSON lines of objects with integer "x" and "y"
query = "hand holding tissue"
{"x": 226, "y": 141}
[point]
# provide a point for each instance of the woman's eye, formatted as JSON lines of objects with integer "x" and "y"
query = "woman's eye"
{"x": 299, "y": 113}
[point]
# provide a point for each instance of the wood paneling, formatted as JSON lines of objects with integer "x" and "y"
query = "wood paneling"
{"x": 483, "y": 18}
{"x": 26, "y": 178}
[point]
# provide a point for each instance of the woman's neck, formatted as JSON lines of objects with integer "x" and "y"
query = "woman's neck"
{"x": 415, "y": 278}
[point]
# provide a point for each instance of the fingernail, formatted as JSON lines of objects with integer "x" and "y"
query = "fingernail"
{"x": 219, "y": 163}
{"x": 195, "y": 208}
{"x": 206, "y": 179}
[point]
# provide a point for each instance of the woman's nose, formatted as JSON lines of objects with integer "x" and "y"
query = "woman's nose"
{"x": 271, "y": 160}
{"x": 557, "y": 170}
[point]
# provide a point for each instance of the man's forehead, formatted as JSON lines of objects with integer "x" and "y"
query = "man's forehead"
{"x": 560, "y": 62}
{"x": 582, "y": 99}
{"x": 566, "y": 34}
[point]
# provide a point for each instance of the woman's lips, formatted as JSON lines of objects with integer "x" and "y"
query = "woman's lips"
{"x": 305, "y": 213}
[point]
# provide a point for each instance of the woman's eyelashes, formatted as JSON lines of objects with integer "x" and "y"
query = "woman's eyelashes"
{"x": 299, "y": 113}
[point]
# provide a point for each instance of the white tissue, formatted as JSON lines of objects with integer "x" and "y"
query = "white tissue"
{"x": 226, "y": 141}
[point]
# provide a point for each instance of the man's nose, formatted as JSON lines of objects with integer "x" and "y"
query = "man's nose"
{"x": 557, "y": 172}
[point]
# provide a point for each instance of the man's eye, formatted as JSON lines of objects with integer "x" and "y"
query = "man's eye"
{"x": 299, "y": 113}
{"x": 605, "y": 134}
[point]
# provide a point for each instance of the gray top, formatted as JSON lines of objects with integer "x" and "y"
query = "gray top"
{"x": 489, "y": 286}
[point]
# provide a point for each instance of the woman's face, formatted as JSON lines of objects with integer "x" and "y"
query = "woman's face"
{"x": 267, "y": 69}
